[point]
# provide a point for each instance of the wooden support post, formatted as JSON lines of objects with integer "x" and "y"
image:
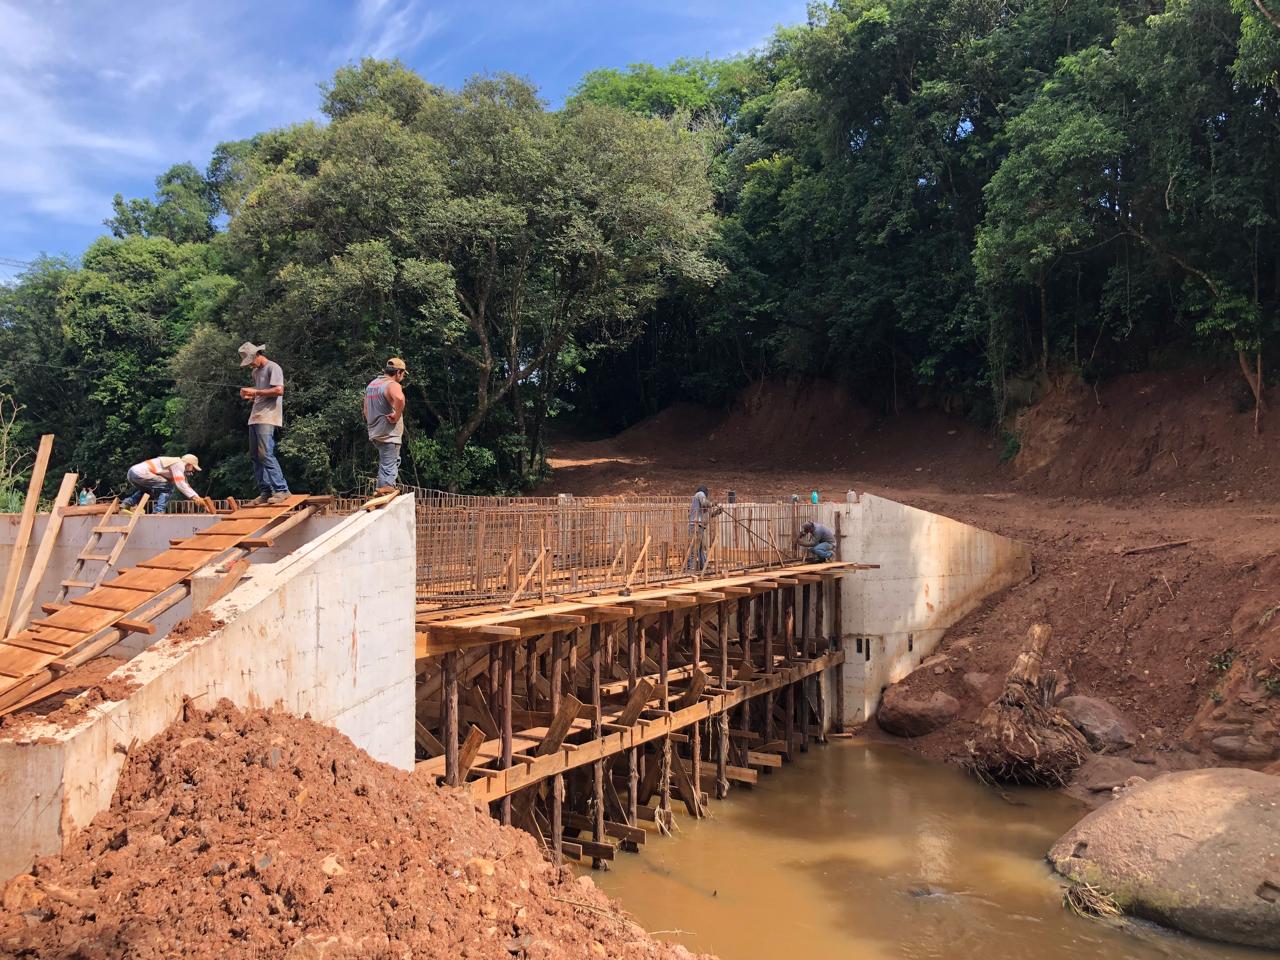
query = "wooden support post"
{"x": 507, "y": 696}
{"x": 787, "y": 597}
{"x": 530, "y": 662}
{"x": 571, "y": 676}
{"x": 696, "y": 745}
{"x": 555, "y": 681}
{"x": 789, "y": 720}
{"x": 18, "y": 555}
{"x": 449, "y": 718}
{"x": 597, "y": 768}
{"x": 722, "y": 740}
{"x": 557, "y": 823}
{"x": 770, "y": 596}
{"x": 806, "y": 637}
{"x": 664, "y": 654}
{"x": 633, "y": 755}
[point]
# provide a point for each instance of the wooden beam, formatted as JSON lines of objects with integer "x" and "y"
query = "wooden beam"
{"x": 18, "y": 555}
{"x": 45, "y": 550}
{"x": 468, "y": 752}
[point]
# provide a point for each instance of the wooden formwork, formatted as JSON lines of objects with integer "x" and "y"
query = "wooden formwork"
{"x": 581, "y": 721}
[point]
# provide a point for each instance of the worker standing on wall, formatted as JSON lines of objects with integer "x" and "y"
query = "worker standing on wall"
{"x": 701, "y": 510}
{"x": 158, "y": 477}
{"x": 266, "y": 417}
{"x": 384, "y": 416}
{"x": 818, "y": 541}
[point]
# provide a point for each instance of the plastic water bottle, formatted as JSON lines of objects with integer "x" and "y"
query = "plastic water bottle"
{"x": 813, "y": 497}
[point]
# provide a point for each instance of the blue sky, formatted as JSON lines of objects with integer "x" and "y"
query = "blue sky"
{"x": 98, "y": 97}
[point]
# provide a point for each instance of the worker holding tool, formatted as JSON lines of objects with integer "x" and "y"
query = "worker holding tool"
{"x": 818, "y": 541}
{"x": 266, "y": 417}
{"x": 158, "y": 476}
{"x": 701, "y": 510}
{"x": 384, "y": 416}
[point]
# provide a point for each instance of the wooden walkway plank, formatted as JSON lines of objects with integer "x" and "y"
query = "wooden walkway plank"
{"x": 108, "y": 610}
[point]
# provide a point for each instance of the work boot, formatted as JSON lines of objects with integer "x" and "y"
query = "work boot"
{"x": 280, "y": 496}
{"x": 260, "y": 500}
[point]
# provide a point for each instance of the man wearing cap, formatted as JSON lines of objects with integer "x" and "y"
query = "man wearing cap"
{"x": 266, "y": 417}
{"x": 158, "y": 476}
{"x": 817, "y": 540}
{"x": 384, "y": 416}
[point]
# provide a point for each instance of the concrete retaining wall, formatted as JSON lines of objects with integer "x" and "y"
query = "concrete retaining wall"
{"x": 933, "y": 571}
{"x": 327, "y": 630}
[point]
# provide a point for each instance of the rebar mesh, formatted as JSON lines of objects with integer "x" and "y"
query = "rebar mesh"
{"x": 473, "y": 549}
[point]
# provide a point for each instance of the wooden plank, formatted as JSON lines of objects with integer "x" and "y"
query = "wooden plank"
{"x": 620, "y": 831}
{"x": 757, "y": 759}
{"x": 697, "y": 684}
{"x": 84, "y": 619}
{"x": 187, "y": 561}
{"x": 468, "y": 751}
{"x": 561, "y": 724}
{"x": 216, "y": 542}
{"x": 18, "y": 555}
{"x": 90, "y": 510}
{"x": 45, "y": 550}
{"x": 636, "y": 703}
{"x": 685, "y": 785}
{"x": 426, "y": 740}
{"x": 135, "y": 626}
{"x": 152, "y": 581}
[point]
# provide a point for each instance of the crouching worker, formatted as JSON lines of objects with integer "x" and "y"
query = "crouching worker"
{"x": 158, "y": 477}
{"x": 384, "y": 416}
{"x": 818, "y": 541}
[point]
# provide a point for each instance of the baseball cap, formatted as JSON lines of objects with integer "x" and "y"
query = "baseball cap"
{"x": 248, "y": 351}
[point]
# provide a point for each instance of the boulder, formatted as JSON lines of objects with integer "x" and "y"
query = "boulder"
{"x": 1197, "y": 850}
{"x": 1102, "y": 724}
{"x": 984, "y": 687}
{"x": 907, "y": 716}
{"x": 1243, "y": 749}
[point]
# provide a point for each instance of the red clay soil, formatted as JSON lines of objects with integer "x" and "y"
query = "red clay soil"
{"x": 68, "y": 698}
{"x": 194, "y": 627}
{"x": 258, "y": 834}
{"x": 1188, "y": 644}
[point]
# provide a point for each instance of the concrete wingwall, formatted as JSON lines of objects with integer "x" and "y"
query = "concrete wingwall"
{"x": 327, "y": 630}
{"x": 933, "y": 571}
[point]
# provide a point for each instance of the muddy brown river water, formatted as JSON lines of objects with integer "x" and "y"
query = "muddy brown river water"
{"x": 862, "y": 851}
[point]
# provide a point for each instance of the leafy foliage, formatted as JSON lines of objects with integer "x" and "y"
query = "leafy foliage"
{"x": 928, "y": 200}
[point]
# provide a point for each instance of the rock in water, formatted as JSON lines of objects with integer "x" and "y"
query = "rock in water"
{"x": 1198, "y": 850}
{"x": 907, "y": 716}
{"x": 1101, "y": 723}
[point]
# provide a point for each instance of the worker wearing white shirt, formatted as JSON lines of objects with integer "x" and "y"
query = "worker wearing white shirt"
{"x": 158, "y": 477}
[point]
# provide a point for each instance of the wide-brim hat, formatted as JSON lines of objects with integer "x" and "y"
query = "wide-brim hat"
{"x": 248, "y": 351}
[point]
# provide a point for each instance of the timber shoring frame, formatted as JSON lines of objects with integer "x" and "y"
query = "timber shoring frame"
{"x": 584, "y": 719}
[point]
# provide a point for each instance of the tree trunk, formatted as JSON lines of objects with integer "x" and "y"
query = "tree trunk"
{"x": 1252, "y": 370}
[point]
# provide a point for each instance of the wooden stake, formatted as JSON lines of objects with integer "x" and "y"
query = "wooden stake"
{"x": 449, "y": 727}
{"x": 508, "y": 677}
{"x": 41, "y": 561}
{"x": 697, "y": 727}
{"x": 597, "y": 768}
{"x": 19, "y": 554}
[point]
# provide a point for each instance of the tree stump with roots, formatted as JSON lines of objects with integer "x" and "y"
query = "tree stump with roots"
{"x": 1022, "y": 737}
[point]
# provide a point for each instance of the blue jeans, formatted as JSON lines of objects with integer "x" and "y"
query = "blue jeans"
{"x": 159, "y": 488}
{"x": 823, "y": 550}
{"x": 262, "y": 453}
{"x": 697, "y": 551}
{"x": 388, "y": 464}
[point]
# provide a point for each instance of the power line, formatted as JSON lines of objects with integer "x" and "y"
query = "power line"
{"x": 10, "y": 262}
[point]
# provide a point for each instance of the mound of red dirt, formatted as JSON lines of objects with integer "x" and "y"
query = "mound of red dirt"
{"x": 256, "y": 834}
{"x": 1185, "y": 430}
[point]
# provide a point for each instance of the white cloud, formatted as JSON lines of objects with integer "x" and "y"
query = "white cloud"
{"x": 105, "y": 96}
{"x": 391, "y": 28}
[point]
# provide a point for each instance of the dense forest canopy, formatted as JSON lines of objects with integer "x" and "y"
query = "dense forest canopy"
{"x": 929, "y": 201}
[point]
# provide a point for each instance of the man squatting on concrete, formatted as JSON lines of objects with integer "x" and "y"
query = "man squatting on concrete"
{"x": 158, "y": 476}
{"x": 384, "y": 416}
{"x": 818, "y": 540}
{"x": 265, "y": 420}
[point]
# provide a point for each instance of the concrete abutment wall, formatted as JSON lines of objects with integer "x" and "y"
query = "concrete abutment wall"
{"x": 327, "y": 630}
{"x": 933, "y": 571}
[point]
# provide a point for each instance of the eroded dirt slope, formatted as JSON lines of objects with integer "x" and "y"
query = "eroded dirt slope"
{"x": 1185, "y": 642}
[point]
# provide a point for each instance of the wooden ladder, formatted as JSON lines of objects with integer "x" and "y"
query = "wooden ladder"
{"x": 91, "y": 552}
